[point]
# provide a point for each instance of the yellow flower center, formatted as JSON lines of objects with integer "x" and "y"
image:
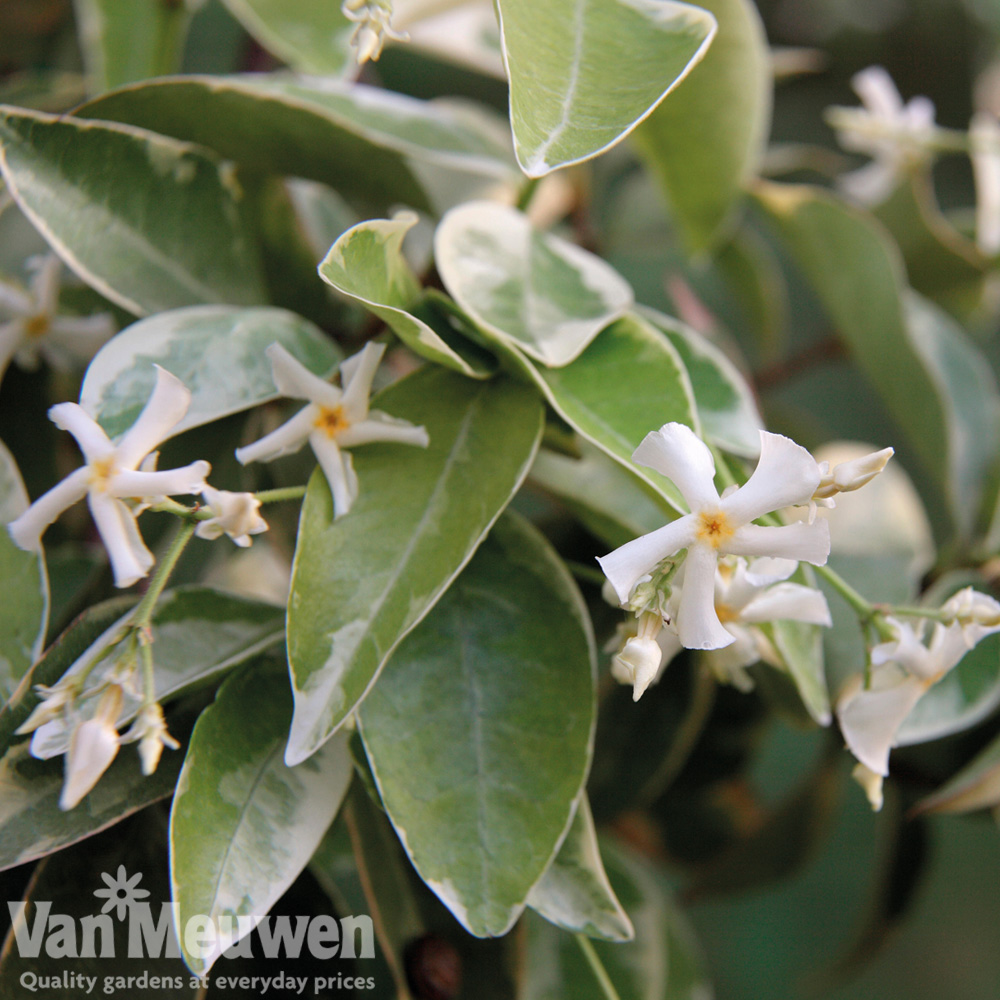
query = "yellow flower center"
{"x": 100, "y": 472}
{"x": 37, "y": 326}
{"x": 714, "y": 528}
{"x": 331, "y": 420}
{"x": 725, "y": 613}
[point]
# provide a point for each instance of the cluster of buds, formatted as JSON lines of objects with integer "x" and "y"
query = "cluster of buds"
{"x": 373, "y": 20}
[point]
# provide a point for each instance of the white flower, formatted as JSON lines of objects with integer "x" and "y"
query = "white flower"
{"x": 150, "y": 730}
{"x": 374, "y": 25}
{"x": 333, "y": 420}
{"x": 984, "y": 141}
{"x": 234, "y": 514}
{"x": 846, "y": 477}
{"x": 786, "y": 474}
{"x": 897, "y": 136}
{"x": 112, "y": 475}
{"x": 976, "y": 614}
{"x": 36, "y": 330}
{"x": 92, "y": 748}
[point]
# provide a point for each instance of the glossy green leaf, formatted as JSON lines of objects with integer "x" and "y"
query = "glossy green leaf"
{"x": 32, "y": 824}
{"x": 613, "y": 503}
{"x": 909, "y": 354}
{"x": 367, "y": 263}
{"x": 530, "y": 289}
{"x": 357, "y": 139}
{"x": 574, "y": 893}
{"x": 584, "y": 73}
{"x": 662, "y": 963}
{"x": 24, "y": 611}
{"x": 216, "y": 351}
{"x": 800, "y": 647}
{"x": 198, "y": 633}
{"x": 975, "y": 786}
{"x": 132, "y": 41}
{"x": 707, "y": 140}
{"x": 725, "y": 402}
{"x": 361, "y": 582}
{"x": 480, "y": 729}
{"x": 149, "y": 222}
{"x": 312, "y": 36}
{"x": 233, "y": 796}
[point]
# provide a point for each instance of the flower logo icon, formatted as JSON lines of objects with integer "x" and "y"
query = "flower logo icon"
{"x": 122, "y": 892}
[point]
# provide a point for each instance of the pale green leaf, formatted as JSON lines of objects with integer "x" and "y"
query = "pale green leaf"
{"x": 574, "y": 893}
{"x": 24, "y": 611}
{"x": 312, "y": 36}
{"x": 131, "y": 41}
{"x": 364, "y": 580}
{"x": 530, "y": 289}
{"x": 584, "y": 73}
{"x": 149, "y": 222}
{"x": 216, "y": 351}
{"x": 243, "y": 824}
{"x": 725, "y": 402}
{"x": 480, "y": 729}
{"x": 707, "y": 140}
{"x": 367, "y": 263}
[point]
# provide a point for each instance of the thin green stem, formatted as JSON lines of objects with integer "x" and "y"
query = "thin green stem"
{"x": 862, "y": 608}
{"x": 143, "y": 613}
{"x": 597, "y": 967}
{"x": 282, "y": 493}
{"x": 148, "y": 675}
{"x": 527, "y": 193}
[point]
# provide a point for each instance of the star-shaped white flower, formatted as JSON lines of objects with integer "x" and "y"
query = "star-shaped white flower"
{"x": 35, "y": 330}
{"x": 121, "y": 893}
{"x": 786, "y": 474}
{"x": 112, "y": 475}
{"x": 233, "y": 514}
{"x": 896, "y": 135}
{"x": 334, "y": 419}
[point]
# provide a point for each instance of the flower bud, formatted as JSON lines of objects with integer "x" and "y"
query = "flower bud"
{"x": 638, "y": 664}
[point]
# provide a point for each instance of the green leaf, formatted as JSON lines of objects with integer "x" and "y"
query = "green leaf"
{"x": 361, "y": 582}
{"x": 662, "y": 963}
{"x": 234, "y": 793}
{"x": 24, "y": 611}
{"x": 706, "y": 142}
{"x": 574, "y": 893}
{"x": 909, "y": 354}
{"x": 529, "y": 289}
{"x": 613, "y": 503}
{"x": 357, "y": 139}
{"x": 151, "y": 223}
{"x": 480, "y": 729}
{"x": 975, "y": 786}
{"x": 584, "y": 73}
{"x": 216, "y": 351}
{"x": 367, "y": 264}
{"x": 312, "y": 36}
{"x": 801, "y": 649}
{"x": 725, "y": 402}
{"x": 197, "y": 634}
{"x": 126, "y": 42}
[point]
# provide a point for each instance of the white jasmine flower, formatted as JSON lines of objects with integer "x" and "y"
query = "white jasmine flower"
{"x": 150, "y": 730}
{"x": 54, "y": 701}
{"x": 640, "y": 660}
{"x": 976, "y": 614}
{"x": 374, "y": 25}
{"x": 984, "y": 140}
{"x": 786, "y": 474}
{"x": 334, "y": 419}
{"x": 92, "y": 748}
{"x": 112, "y": 476}
{"x": 897, "y": 136}
{"x": 849, "y": 476}
{"x": 35, "y": 330}
{"x": 234, "y": 514}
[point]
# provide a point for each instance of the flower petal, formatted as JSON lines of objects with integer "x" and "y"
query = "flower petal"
{"x": 130, "y": 559}
{"x": 878, "y": 92}
{"x": 357, "y": 373}
{"x": 805, "y": 542}
{"x": 788, "y": 602}
{"x": 15, "y": 301}
{"x": 339, "y": 470}
{"x": 11, "y": 335}
{"x": 164, "y": 409}
{"x": 379, "y": 426}
{"x": 870, "y": 720}
{"x": 88, "y": 432}
{"x": 45, "y": 283}
{"x": 189, "y": 479}
{"x": 284, "y": 440}
{"x": 786, "y": 474}
{"x": 94, "y": 745}
{"x": 27, "y": 530}
{"x": 634, "y": 559}
{"x": 680, "y": 455}
{"x": 294, "y": 380}
{"x": 698, "y": 625}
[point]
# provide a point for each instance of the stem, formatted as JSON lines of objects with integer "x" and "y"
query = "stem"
{"x": 600, "y": 973}
{"x": 282, "y": 493}
{"x": 527, "y": 193}
{"x": 862, "y": 608}
{"x": 148, "y": 676}
{"x": 143, "y": 614}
